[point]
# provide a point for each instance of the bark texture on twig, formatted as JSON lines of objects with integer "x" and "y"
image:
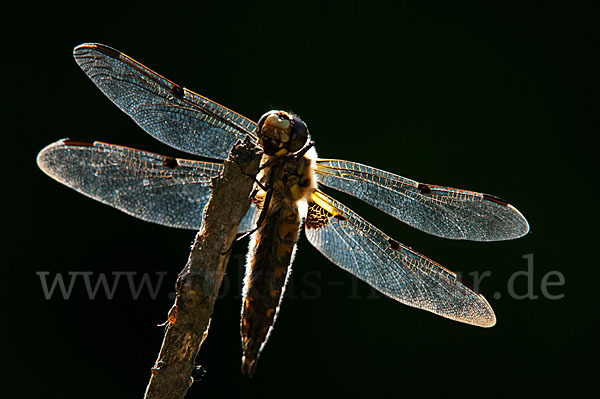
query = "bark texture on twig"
{"x": 199, "y": 282}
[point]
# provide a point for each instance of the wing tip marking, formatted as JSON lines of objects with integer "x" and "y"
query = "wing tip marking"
{"x": 75, "y": 142}
{"x": 495, "y": 199}
{"x": 104, "y": 49}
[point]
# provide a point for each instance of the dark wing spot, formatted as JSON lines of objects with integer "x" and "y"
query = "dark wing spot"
{"x": 108, "y": 50}
{"x": 494, "y": 199}
{"x": 78, "y": 142}
{"x": 177, "y": 91}
{"x": 340, "y": 217}
{"x": 424, "y": 188}
{"x": 317, "y": 217}
{"x": 395, "y": 245}
{"x": 170, "y": 162}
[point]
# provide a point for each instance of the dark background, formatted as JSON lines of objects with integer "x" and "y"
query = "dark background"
{"x": 485, "y": 97}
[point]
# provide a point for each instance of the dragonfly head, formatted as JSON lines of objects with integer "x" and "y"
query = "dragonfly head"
{"x": 281, "y": 133}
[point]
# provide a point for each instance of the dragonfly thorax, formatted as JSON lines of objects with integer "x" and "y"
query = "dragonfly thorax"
{"x": 280, "y": 133}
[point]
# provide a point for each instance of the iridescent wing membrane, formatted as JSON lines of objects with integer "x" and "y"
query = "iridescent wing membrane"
{"x": 168, "y": 112}
{"x": 396, "y": 270}
{"x": 173, "y": 192}
{"x": 440, "y": 211}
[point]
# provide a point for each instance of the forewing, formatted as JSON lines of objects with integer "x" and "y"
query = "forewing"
{"x": 396, "y": 270}
{"x": 441, "y": 211}
{"x": 170, "y": 113}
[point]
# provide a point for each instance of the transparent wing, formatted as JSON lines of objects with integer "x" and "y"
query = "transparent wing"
{"x": 249, "y": 221}
{"x": 397, "y": 271}
{"x": 155, "y": 188}
{"x": 170, "y": 113}
{"x": 441, "y": 211}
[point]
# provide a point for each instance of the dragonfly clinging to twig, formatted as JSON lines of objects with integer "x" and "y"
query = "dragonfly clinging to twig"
{"x": 173, "y": 192}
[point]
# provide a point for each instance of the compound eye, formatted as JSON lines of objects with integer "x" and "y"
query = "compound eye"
{"x": 274, "y": 132}
{"x": 273, "y": 119}
{"x": 261, "y": 121}
{"x": 299, "y": 135}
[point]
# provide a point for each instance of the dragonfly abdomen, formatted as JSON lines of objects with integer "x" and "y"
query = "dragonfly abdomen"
{"x": 269, "y": 265}
{"x": 272, "y": 250}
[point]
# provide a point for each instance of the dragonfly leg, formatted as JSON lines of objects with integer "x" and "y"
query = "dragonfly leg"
{"x": 267, "y": 164}
{"x": 259, "y": 184}
{"x": 253, "y": 177}
{"x": 239, "y": 238}
{"x": 263, "y": 213}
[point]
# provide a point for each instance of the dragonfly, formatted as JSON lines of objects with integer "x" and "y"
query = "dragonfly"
{"x": 288, "y": 197}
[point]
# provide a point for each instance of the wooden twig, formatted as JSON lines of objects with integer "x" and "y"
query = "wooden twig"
{"x": 199, "y": 282}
